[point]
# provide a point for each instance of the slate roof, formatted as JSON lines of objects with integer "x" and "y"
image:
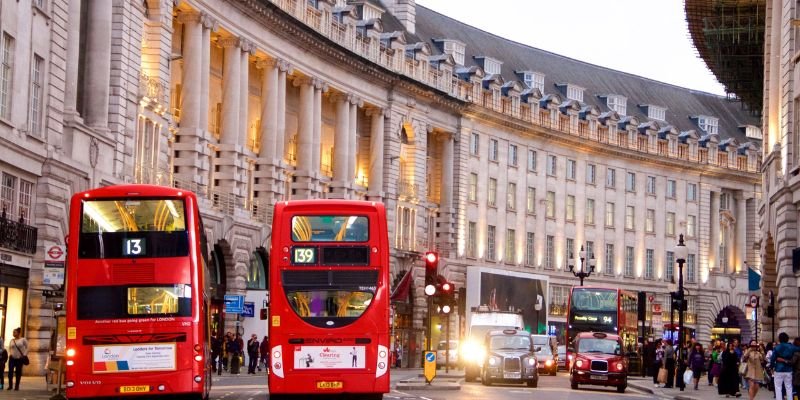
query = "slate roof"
{"x": 681, "y": 103}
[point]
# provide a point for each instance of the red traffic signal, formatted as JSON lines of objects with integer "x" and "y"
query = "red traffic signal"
{"x": 447, "y": 288}
{"x": 431, "y": 267}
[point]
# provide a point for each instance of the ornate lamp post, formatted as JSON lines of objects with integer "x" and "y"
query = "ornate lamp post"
{"x": 681, "y": 253}
{"x": 582, "y": 272}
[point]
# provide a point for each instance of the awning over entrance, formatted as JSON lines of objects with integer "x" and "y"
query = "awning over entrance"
{"x": 400, "y": 292}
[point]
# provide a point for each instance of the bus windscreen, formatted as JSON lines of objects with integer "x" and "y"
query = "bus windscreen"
{"x": 330, "y": 228}
{"x": 117, "y": 302}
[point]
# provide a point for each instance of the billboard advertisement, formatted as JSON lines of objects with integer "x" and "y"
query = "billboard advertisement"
{"x": 504, "y": 290}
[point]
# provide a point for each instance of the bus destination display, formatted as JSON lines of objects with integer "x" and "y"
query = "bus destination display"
{"x": 304, "y": 255}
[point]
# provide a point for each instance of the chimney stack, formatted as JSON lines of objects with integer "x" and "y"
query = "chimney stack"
{"x": 405, "y": 11}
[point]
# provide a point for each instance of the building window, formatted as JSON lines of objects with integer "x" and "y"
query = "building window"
{"x": 492, "y": 195}
{"x": 512, "y": 155}
{"x": 657, "y": 113}
{"x": 8, "y": 195}
{"x": 511, "y": 196}
{"x": 530, "y": 201}
{"x": 511, "y": 245}
{"x": 648, "y": 266}
{"x": 651, "y": 185}
{"x": 724, "y": 201}
{"x": 672, "y": 188}
{"x": 589, "y": 250}
{"x": 609, "y": 267}
{"x": 617, "y": 103}
{"x": 690, "y": 268}
{"x": 611, "y": 178}
{"x": 551, "y": 165}
{"x": 491, "y": 66}
{"x": 472, "y": 235}
{"x": 474, "y": 144}
{"x": 551, "y": 252}
{"x": 532, "y": 160}
{"x": 589, "y": 216}
{"x": 691, "y": 192}
{"x": 256, "y": 278}
{"x": 753, "y": 132}
{"x": 670, "y": 274}
{"x": 473, "y": 187}
{"x": 574, "y": 92}
{"x": 630, "y": 182}
{"x": 629, "y": 218}
{"x": 723, "y": 248}
{"x": 590, "y": 173}
{"x": 490, "y": 250}
{"x": 628, "y": 262}
{"x": 650, "y": 221}
{"x": 529, "y": 249}
{"x": 571, "y": 170}
{"x": 36, "y": 95}
{"x": 25, "y": 199}
{"x": 609, "y": 215}
{"x": 455, "y": 49}
{"x": 6, "y": 75}
{"x": 550, "y": 212}
{"x": 570, "y": 250}
{"x": 492, "y": 149}
{"x": 534, "y": 80}
{"x": 406, "y": 229}
{"x": 670, "y": 222}
{"x": 558, "y": 300}
{"x": 709, "y": 125}
{"x": 570, "y": 208}
{"x": 691, "y": 221}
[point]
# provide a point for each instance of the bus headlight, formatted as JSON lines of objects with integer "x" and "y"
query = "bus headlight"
{"x": 70, "y": 352}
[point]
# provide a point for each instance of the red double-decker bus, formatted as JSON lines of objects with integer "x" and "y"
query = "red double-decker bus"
{"x": 137, "y": 311}
{"x": 329, "y": 290}
{"x": 607, "y": 310}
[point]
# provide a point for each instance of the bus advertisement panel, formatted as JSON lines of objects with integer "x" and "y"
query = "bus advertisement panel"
{"x": 329, "y": 293}
{"x": 136, "y": 312}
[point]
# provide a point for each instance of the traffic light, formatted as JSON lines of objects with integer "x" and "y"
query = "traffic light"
{"x": 431, "y": 267}
{"x": 445, "y": 295}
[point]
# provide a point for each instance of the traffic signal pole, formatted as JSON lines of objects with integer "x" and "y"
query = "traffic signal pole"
{"x": 447, "y": 345}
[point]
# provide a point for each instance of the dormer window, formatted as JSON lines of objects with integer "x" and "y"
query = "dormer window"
{"x": 490, "y": 65}
{"x": 657, "y": 113}
{"x": 709, "y": 125}
{"x": 617, "y": 103}
{"x": 573, "y": 92}
{"x": 533, "y": 80}
{"x": 455, "y": 49}
{"x": 368, "y": 11}
{"x": 753, "y": 132}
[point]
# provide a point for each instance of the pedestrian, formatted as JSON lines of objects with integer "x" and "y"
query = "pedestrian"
{"x": 697, "y": 362}
{"x": 658, "y": 361}
{"x": 234, "y": 352}
{"x": 264, "y": 349}
{"x": 18, "y": 353}
{"x": 225, "y": 354}
{"x": 3, "y": 360}
{"x": 216, "y": 349}
{"x": 398, "y": 359}
{"x": 252, "y": 354}
{"x": 669, "y": 363}
{"x": 729, "y": 375}
{"x": 648, "y": 358}
{"x": 754, "y": 358}
{"x": 716, "y": 361}
{"x": 782, "y": 361}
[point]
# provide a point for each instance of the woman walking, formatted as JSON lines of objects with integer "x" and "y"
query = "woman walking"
{"x": 3, "y": 360}
{"x": 17, "y": 349}
{"x": 729, "y": 376}
{"x": 754, "y": 358}
{"x": 697, "y": 362}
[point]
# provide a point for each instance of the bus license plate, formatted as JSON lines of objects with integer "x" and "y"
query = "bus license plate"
{"x": 330, "y": 385}
{"x": 599, "y": 377}
{"x": 134, "y": 389}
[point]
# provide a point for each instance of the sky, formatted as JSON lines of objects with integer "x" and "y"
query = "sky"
{"x": 649, "y": 38}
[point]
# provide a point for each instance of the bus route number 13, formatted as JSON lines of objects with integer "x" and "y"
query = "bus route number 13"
{"x": 134, "y": 247}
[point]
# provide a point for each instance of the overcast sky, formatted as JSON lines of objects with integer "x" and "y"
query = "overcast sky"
{"x": 649, "y": 38}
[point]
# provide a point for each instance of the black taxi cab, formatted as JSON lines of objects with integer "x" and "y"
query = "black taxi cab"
{"x": 598, "y": 360}
{"x": 509, "y": 358}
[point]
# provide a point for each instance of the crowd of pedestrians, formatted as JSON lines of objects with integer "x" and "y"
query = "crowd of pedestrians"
{"x": 732, "y": 367}
{"x": 230, "y": 352}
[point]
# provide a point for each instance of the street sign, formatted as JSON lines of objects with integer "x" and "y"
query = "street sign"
{"x": 753, "y": 301}
{"x": 249, "y": 309}
{"x": 54, "y": 258}
{"x": 234, "y": 303}
{"x": 656, "y": 308}
{"x": 430, "y": 366}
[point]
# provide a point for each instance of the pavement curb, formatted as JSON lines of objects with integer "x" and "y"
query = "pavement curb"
{"x": 421, "y": 385}
{"x": 639, "y": 387}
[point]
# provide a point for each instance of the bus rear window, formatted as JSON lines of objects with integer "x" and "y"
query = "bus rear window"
{"x": 330, "y": 228}
{"x": 102, "y": 302}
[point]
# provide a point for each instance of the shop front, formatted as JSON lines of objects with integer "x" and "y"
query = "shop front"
{"x": 13, "y": 293}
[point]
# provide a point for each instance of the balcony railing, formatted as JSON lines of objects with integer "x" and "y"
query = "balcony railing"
{"x": 16, "y": 235}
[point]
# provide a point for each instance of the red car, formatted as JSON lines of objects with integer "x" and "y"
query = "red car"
{"x": 598, "y": 360}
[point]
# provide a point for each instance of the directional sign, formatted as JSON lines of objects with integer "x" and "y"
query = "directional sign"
{"x": 249, "y": 309}
{"x": 430, "y": 366}
{"x": 234, "y": 304}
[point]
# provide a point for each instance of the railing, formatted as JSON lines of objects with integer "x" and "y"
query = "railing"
{"x": 16, "y": 235}
{"x": 408, "y": 189}
{"x": 151, "y": 88}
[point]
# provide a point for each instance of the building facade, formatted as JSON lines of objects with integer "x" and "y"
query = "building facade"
{"x": 492, "y": 153}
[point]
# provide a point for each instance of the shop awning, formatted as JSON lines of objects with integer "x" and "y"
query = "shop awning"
{"x": 400, "y": 292}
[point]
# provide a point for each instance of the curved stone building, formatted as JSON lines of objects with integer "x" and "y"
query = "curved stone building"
{"x": 495, "y": 154}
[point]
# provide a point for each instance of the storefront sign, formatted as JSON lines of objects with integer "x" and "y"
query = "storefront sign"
{"x": 139, "y": 357}
{"x": 329, "y": 357}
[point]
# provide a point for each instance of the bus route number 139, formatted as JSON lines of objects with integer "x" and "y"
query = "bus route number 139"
{"x": 304, "y": 255}
{"x": 133, "y": 247}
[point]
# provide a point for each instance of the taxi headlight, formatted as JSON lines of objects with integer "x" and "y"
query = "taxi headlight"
{"x": 620, "y": 366}
{"x": 493, "y": 361}
{"x": 579, "y": 363}
{"x": 531, "y": 362}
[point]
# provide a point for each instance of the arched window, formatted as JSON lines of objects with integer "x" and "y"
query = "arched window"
{"x": 257, "y": 273}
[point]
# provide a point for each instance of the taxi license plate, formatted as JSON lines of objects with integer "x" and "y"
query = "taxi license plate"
{"x": 599, "y": 377}
{"x": 330, "y": 385}
{"x": 134, "y": 389}
{"x": 511, "y": 375}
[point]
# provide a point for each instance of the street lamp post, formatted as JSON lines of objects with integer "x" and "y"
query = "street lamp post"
{"x": 582, "y": 272}
{"x": 771, "y": 313}
{"x": 681, "y": 253}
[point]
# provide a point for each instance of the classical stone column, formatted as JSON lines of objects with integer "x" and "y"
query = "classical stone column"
{"x": 269, "y": 109}
{"x": 316, "y": 142}
{"x": 446, "y": 201}
{"x": 305, "y": 125}
{"x": 284, "y": 68}
{"x": 352, "y": 159}
{"x": 209, "y": 25}
{"x": 713, "y": 241}
{"x": 741, "y": 231}
{"x": 73, "y": 55}
{"x": 341, "y": 143}
{"x": 231, "y": 88}
{"x": 376, "y": 158}
{"x": 244, "y": 93}
{"x": 98, "y": 66}
{"x": 192, "y": 63}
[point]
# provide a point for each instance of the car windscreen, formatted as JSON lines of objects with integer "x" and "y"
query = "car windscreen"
{"x": 509, "y": 342}
{"x": 595, "y": 345}
{"x": 545, "y": 351}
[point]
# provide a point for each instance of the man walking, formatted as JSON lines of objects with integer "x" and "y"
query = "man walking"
{"x": 252, "y": 354}
{"x": 669, "y": 364}
{"x": 782, "y": 360}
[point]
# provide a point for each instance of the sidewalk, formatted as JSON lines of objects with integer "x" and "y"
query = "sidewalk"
{"x": 704, "y": 391}
{"x": 31, "y": 388}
